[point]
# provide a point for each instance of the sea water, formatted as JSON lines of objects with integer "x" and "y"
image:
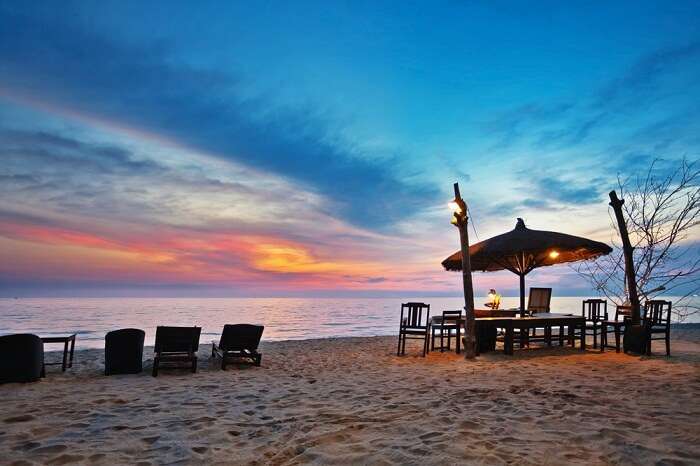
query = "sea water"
{"x": 283, "y": 318}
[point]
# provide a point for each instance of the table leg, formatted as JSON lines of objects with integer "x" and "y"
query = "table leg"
{"x": 508, "y": 343}
{"x": 548, "y": 335}
{"x": 583, "y": 337}
{"x": 72, "y": 349}
{"x": 617, "y": 338}
{"x": 572, "y": 331}
{"x": 65, "y": 356}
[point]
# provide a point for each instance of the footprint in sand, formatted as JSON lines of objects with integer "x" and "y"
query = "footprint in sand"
{"x": 27, "y": 446}
{"x": 50, "y": 449}
{"x": 66, "y": 459}
{"x": 21, "y": 418}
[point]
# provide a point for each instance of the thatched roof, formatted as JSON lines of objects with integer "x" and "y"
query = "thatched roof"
{"x": 521, "y": 250}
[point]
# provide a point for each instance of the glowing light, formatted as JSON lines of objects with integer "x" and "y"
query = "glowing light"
{"x": 554, "y": 254}
{"x": 454, "y": 207}
{"x": 494, "y": 299}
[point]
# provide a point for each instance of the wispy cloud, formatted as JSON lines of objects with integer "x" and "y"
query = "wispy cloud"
{"x": 147, "y": 87}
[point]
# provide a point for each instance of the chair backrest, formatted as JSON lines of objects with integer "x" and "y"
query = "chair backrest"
{"x": 594, "y": 310}
{"x": 657, "y": 312}
{"x": 22, "y": 358}
{"x": 539, "y": 299}
{"x": 622, "y": 310}
{"x": 416, "y": 314}
{"x": 239, "y": 337}
{"x": 177, "y": 339}
{"x": 125, "y": 334}
{"x": 451, "y": 317}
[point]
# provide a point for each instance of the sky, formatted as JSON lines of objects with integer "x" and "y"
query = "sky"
{"x": 309, "y": 148}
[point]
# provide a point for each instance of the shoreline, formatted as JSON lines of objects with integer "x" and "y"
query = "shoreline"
{"x": 352, "y": 400}
{"x": 678, "y": 327}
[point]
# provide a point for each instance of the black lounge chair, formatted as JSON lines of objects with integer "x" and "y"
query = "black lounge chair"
{"x": 176, "y": 346}
{"x": 124, "y": 351}
{"x": 21, "y": 358}
{"x": 239, "y": 341}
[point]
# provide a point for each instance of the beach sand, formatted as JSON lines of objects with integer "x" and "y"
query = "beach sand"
{"x": 352, "y": 400}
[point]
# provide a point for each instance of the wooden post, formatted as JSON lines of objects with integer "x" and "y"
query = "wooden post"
{"x": 627, "y": 249}
{"x": 461, "y": 220}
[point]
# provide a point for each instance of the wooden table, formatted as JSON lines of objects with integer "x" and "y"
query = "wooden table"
{"x": 511, "y": 324}
{"x": 67, "y": 356}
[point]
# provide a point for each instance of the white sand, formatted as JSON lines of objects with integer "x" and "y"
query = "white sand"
{"x": 352, "y": 400}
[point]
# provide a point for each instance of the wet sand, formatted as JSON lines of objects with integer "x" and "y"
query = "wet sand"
{"x": 353, "y": 401}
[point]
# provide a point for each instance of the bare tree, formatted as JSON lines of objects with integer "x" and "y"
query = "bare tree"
{"x": 662, "y": 211}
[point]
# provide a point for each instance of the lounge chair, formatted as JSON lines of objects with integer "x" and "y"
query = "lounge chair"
{"x": 176, "y": 346}
{"x": 21, "y": 358}
{"x": 124, "y": 351}
{"x": 239, "y": 341}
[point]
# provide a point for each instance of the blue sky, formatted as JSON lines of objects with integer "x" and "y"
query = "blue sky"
{"x": 323, "y": 138}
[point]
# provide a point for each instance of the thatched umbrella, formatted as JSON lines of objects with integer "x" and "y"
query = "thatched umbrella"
{"x": 522, "y": 250}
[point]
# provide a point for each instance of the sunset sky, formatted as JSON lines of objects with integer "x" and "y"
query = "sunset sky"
{"x": 301, "y": 148}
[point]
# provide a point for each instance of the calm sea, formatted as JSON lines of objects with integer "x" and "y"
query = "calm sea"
{"x": 284, "y": 318}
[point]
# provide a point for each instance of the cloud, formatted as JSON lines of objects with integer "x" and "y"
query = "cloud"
{"x": 653, "y": 80}
{"x": 149, "y": 88}
{"x": 643, "y": 77}
{"x": 559, "y": 190}
{"x": 515, "y": 124}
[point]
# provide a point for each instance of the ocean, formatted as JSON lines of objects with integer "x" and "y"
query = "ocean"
{"x": 284, "y": 318}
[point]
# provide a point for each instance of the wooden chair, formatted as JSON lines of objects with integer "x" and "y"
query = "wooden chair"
{"x": 657, "y": 319}
{"x": 595, "y": 311}
{"x": 414, "y": 324}
{"x": 448, "y": 324}
{"x": 239, "y": 341}
{"x": 538, "y": 302}
{"x": 175, "y": 346}
{"x": 616, "y": 326}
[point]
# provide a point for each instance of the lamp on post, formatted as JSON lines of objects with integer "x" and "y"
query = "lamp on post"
{"x": 460, "y": 219}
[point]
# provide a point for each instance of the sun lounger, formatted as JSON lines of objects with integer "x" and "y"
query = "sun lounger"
{"x": 239, "y": 341}
{"x": 176, "y": 346}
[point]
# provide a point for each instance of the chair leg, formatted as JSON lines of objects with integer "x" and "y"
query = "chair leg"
{"x": 617, "y": 339}
{"x": 668, "y": 343}
{"x": 155, "y": 367}
{"x": 595, "y": 336}
{"x": 403, "y": 345}
{"x": 432, "y": 339}
{"x": 194, "y": 365}
{"x": 398, "y": 350}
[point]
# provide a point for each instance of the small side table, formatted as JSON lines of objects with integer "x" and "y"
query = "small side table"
{"x": 67, "y": 356}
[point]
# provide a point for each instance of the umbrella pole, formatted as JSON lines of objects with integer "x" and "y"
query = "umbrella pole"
{"x": 522, "y": 294}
